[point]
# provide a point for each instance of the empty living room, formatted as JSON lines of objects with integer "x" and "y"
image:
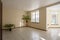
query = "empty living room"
{"x": 29, "y": 19}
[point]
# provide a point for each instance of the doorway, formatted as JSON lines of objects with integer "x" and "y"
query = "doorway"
{"x": 53, "y": 16}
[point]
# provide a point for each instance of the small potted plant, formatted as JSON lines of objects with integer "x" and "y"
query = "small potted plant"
{"x": 26, "y": 18}
{"x": 9, "y": 26}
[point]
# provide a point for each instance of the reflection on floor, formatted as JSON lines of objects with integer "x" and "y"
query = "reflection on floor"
{"x": 27, "y": 33}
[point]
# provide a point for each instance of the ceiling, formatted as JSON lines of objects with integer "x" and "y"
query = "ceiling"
{"x": 27, "y": 5}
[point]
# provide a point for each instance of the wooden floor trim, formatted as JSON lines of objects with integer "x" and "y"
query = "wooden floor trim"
{"x": 29, "y": 27}
{"x": 37, "y": 28}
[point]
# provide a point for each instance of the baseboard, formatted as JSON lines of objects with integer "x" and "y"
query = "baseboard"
{"x": 54, "y": 27}
{"x": 37, "y": 28}
{"x": 12, "y": 28}
{"x": 26, "y": 26}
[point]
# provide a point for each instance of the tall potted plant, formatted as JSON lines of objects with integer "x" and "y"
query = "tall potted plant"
{"x": 26, "y": 18}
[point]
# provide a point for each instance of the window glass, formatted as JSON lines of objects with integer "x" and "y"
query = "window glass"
{"x": 35, "y": 16}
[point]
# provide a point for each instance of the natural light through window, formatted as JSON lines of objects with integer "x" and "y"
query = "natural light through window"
{"x": 54, "y": 11}
{"x": 59, "y": 34}
{"x": 54, "y": 19}
{"x": 21, "y": 23}
{"x": 35, "y": 16}
{"x": 36, "y": 36}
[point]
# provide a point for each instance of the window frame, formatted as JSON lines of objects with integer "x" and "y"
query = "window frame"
{"x": 35, "y": 16}
{"x": 54, "y": 17}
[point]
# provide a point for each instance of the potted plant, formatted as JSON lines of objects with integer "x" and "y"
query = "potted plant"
{"x": 9, "y": 26}
{"x": 26, "y": 18}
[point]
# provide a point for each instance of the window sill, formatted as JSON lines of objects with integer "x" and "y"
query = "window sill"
{"x": 35, "y": 22}
{"x": 54, "y": 24}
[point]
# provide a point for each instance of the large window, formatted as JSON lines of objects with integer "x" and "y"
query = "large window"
{"x": 53, "y": 14}
{"x": 35, "y": 16}
{"x": 54, "y": 19}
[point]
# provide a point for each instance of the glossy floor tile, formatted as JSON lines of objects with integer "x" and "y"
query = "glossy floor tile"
{"x": 27, "y": 33}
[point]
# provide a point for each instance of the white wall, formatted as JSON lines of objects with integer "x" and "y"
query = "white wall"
{"x": 13, "y": 16}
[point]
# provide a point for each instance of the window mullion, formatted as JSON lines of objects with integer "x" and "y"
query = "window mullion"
{"x": 35, "y": 16}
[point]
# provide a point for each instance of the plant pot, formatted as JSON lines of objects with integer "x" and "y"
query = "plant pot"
{"x": 10, "y": 29}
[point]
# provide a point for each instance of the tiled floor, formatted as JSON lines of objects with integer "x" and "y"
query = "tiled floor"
{"x": 27, "y": 33}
